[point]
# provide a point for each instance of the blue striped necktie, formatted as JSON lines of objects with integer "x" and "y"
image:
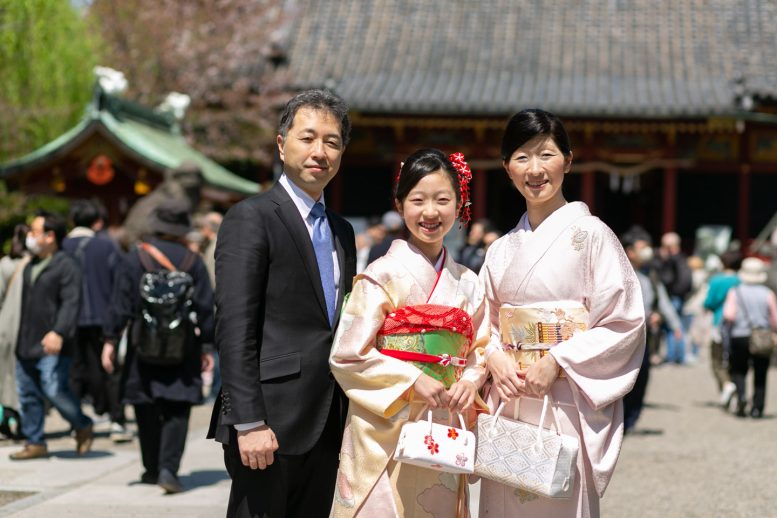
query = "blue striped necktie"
{"x": 322, "y": 244}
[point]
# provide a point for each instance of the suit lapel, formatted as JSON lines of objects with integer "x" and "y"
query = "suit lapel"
{"x": 290, "y": 216}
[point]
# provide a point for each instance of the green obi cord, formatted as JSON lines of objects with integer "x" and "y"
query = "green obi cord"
{"x": 437, "y": 342}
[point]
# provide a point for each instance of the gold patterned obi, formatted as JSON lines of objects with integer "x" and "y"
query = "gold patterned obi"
{"x": 432, "y": 337}
{"x": 529, "y": 332}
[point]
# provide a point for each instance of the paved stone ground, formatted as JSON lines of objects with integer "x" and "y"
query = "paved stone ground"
{"x": 688, "y": 458}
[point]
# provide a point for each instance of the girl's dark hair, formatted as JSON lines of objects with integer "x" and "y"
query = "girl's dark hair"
{"x": 528, "y": 124}
{"x": 422, "y": 163}
{"x": 20, "y": 232}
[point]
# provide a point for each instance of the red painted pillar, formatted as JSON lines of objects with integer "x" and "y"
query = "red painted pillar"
{"x": 588, "y": 194}
{"x": 670, "y": 200}
{"x": 743, "y": 212}
{"x": 479, "y": 192}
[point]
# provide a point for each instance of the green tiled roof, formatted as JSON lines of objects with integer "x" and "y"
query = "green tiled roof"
{"x": 149, "y": 136}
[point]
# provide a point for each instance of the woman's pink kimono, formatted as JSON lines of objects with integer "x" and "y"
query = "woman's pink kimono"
{"x": 571, "y": 256}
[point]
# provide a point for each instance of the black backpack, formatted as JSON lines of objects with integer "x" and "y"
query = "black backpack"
{"x": 164, "y": 331}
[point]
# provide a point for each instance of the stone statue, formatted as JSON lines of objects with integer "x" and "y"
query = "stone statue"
{"x": 184, "y": 182}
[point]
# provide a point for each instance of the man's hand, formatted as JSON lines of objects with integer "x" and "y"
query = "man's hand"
{"x": 431, "y": 391}
{"x": 462, "y": 394}
{"x": 106, "y": 357}
{"x": 52, "y": 343}
{"x": 257, "y": 446}
{"x": 540, "y": 376}
{"x": 505, "y": 377}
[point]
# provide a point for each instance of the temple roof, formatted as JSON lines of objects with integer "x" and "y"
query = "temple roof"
{"x": 615, "y": 58}
{"x": 149, "y": 137}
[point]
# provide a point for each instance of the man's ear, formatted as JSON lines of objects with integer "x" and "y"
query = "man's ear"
{"x": 279, "y": 140}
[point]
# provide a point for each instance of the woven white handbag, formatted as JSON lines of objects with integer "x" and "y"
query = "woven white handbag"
{"x": 526, "y": 456}
{"x": 436, "y": 446}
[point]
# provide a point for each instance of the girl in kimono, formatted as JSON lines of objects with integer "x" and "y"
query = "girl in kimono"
{"x": 566, "y": 320}
{"x": 405, "y": 343}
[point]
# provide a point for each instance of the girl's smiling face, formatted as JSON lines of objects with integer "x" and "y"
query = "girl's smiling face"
{"x": 429, "y": 211}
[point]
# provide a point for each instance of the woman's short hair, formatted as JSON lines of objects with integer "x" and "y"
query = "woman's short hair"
{"x": 528, "y": 124}
{"x": 420, "y": 164}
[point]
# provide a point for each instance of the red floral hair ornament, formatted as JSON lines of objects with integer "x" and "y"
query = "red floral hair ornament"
{"x": 465, "y": 177}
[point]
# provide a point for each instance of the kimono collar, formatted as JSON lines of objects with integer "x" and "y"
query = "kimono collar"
{"x": 427, "y": 275}
{"x": 561, "y": 216}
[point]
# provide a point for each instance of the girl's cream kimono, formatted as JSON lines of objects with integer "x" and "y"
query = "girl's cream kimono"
{"x": 570, "y": 259}
{"x": 369, "y": 482}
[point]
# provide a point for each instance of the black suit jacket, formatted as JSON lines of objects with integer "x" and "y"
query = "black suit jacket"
{"x": 272, "y": 328}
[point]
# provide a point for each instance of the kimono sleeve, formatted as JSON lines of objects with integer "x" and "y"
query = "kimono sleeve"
{"x": 370, "y": 379}
{"x": 603, "y": 361}
{"x": 488, "y": 331}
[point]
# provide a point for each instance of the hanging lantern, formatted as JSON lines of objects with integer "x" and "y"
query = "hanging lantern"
{"x": 57, "y": 182}
{"x": 100, "y": 170}
{"x": 141, "y": 184}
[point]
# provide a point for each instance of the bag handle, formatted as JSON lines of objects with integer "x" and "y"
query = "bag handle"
{"x": 450, "y": 414}
{"x": 461, "y": 419}
{"x": 540, "y": 428}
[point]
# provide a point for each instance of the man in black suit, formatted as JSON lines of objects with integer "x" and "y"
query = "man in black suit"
{"x": 283, "y": 265}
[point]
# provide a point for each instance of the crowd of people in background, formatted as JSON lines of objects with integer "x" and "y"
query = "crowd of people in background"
{"x": 70, "y": 301}
{"x": 694, "y": 304}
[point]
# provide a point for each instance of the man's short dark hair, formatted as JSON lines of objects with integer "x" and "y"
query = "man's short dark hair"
{"x": 53, "y": 222}
{"x": 84, "y": 213}
{"x": 317, "y": 100}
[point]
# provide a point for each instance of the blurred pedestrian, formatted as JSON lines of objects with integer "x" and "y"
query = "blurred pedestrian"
{"x": 749, "y": 306}
{"x": 676, "y": 276}
{"x": 162, "y": 394}
{"x": 719, "y": 287}
{"x": 99, "y": 259}
{"x": 699, "y": 320}
{"x": 658, "y": 309}
{"x": 394, "y": 226}
{"x": 473, "y": 253}
{"x": 371, "y": 236}
{"x": 11, "y": 268}
{"x": 209, "y": 228}
{"x": 50, "y": 301}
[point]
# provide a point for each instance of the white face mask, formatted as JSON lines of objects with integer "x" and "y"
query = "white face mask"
{"x": 32, "y": 244}
{"x": 645, "y": 255}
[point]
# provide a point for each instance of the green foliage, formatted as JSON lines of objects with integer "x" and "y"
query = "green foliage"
{"x": 47, "y": 53}
{"x": 17, "y": 207}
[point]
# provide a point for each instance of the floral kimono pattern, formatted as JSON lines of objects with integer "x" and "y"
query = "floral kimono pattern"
{"x": 370, "y": 483}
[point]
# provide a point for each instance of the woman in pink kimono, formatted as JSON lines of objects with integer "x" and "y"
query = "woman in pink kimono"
{"x": 566, "y": 319}
{"x": 405, "y": 342}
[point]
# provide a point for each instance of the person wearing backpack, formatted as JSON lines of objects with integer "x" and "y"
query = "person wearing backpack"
{"x": 162, "y": 295}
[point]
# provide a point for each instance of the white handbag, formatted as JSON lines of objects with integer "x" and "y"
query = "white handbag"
{"x": 526, "y": 456}
{"x": 436, "y": 446}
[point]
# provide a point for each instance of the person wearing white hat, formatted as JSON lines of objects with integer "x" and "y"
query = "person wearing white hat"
{"x": 749, "y": 306}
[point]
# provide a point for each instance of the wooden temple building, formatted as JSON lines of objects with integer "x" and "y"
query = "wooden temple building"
{"x": 671, "y": 106}
{"x": 118, "y": 152}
